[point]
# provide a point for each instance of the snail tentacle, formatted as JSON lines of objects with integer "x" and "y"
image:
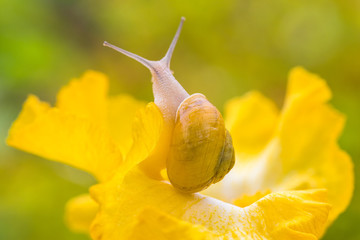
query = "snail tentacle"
{"x": 167, "y": 58}
{"x": 168, "y": 93}
{"x": 147, "y": 63}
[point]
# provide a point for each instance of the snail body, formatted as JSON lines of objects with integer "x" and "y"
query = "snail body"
{"x": 199, "y": 149}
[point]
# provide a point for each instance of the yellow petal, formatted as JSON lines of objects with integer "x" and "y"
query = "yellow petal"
{"x": 80, "y": 211}
{"x": 153, "y": 224}
{"x": 121, "y": 114}
{"x": 308, "y": 133}
{"x": 276, "y": 216}
{"x": 251, "y": 121}
{"x": 148, "y": 147}
{"x": 247, "y": 200}
{"x": 341, "y": 187}
{"x": 302, "y": 153}
{"x": 340, "y": 181}
{"x": 306, "y": 87}
{"x": 308, "y": 128}
{"x": 293, "y": 214}
{"x": 86, "y": 97}
{"x": 55, "y": 135}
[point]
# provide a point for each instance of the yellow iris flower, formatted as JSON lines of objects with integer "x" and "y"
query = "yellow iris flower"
{"x": 290, "y": 181}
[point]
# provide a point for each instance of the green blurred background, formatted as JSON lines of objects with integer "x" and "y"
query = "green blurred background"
{"x": 226, "y": 49}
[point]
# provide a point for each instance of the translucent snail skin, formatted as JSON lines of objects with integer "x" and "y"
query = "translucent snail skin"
{"x": 199, "y": 148}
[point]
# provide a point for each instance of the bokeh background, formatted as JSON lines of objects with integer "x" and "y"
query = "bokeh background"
{"x": 226, "y": 49}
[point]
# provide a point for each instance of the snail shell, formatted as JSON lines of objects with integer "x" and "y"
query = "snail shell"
{"x": 197, "y": 146}
{"x": 201, "y": 150}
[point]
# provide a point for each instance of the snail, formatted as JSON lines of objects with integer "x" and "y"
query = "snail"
{"x": 199, "y": 148}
